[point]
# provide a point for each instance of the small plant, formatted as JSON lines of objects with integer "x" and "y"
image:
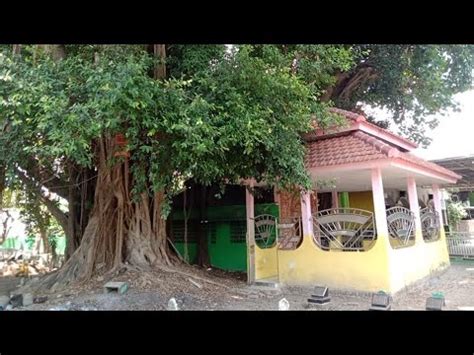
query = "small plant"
{"x": 456, "y": 212}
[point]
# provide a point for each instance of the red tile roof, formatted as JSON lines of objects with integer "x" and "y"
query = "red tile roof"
{"x": 348, "y": 114}
{"x": 358, "y": 122}
{"x": 357, "y": 146}
{"x": 340, "y": 150}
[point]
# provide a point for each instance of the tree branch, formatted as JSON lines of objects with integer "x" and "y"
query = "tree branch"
{"x": 46, "y": 178}
{"x": 349, "y": 82}
{"x": 2, "y": 184}
{"x": 50, "y": 205}
{"x": 360, "y": 78}
{"x": 340, "y": 77}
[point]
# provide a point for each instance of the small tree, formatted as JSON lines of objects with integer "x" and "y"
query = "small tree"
{"x": 40, "y": 224}
{"x": 456, "y": 212}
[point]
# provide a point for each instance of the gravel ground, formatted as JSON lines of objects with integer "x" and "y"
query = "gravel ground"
{"x": 224, "y": 291}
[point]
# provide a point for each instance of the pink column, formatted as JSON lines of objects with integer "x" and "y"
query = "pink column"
{"x": 306, "y": 218}
{"x": 414, "y": 206}
{"x": 276, "y": 196}
{"x": 335, "y": 199}
{"x": 379, "y": 203}
{"x": 249, "y": 204}
{"x": 437, "y": 202}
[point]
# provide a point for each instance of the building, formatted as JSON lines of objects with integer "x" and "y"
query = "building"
{"x": 372, "y": 222}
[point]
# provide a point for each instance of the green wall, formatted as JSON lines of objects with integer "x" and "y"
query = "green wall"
{"x": 12, "y": 243}
{"x": 192, "y": 251}
{"x": 344, "y": 199}
{"x": 226, "y": 232}
{"x": 17, "y": 242}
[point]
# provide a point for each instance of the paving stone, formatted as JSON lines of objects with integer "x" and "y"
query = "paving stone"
{"x": 116, "y": 287}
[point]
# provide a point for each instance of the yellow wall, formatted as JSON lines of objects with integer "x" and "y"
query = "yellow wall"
{"x": 380, "y": 268}
{"x": 410, "y": 264}
{"x": 265, "y": 263}
{"x": 365, "y": 271}
{"x": 362, "y": 200}
{"x": 396, "y": 243}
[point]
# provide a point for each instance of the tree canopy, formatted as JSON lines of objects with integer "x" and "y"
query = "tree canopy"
{"x": 412, "y": 82}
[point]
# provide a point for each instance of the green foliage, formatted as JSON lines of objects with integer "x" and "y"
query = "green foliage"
{"x": 34, "y": 214}
{"x": 239, "y": 118}
{"x": 220, "y": 116}
{"x": 8, "y": 199}
{"x": 456, "y": 212}
{"x": 317, "y": 64}
{"x": 184, "y": 61}
{"x": 224, "y": 113}
{"x": 412, "y": 82}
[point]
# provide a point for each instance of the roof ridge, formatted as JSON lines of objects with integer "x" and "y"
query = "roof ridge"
{"x": 349, "y": 114}
{"x": 380, "y": 145}
{"x": 356, "y": 117}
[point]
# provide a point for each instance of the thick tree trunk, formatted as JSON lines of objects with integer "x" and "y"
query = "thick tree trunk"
{"x": 78, "y": 198}
{"x": 159, "y": 51}
{"x": 348, "y": 83}
{"x": 119, "y": 230}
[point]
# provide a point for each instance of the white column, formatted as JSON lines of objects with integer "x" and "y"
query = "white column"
{"x": 383, "y": 241}
{"x": 249, "y": 204}
{"x": 437, "y": 203}
{"x": 306, "y": 218}
{"x": 379, "y": 203}
{"x": 414, "y": 206}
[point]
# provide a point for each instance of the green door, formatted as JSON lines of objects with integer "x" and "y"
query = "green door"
{"x": 226, "y": 232}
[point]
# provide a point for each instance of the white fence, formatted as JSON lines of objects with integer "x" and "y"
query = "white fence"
{"x": 460, "y": 244}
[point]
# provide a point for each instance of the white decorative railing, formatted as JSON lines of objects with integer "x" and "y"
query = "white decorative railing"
{"x": 265, "y": 230}
{"x": 460, "y": 244}
{"x": 430, "y": 224}
{"x": 345, "y": 229}
{"x": 401, "y": 226}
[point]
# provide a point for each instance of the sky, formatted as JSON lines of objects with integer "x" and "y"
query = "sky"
{"x": 454, "y": 135}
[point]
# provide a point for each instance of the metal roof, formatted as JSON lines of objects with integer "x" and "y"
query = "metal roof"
{"x": 463, "y": 166}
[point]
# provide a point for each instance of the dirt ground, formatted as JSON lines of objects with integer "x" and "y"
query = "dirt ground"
{"x": 217, "y": 290}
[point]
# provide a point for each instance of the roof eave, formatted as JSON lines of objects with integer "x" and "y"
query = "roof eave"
{"x": 447, "y": 177}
